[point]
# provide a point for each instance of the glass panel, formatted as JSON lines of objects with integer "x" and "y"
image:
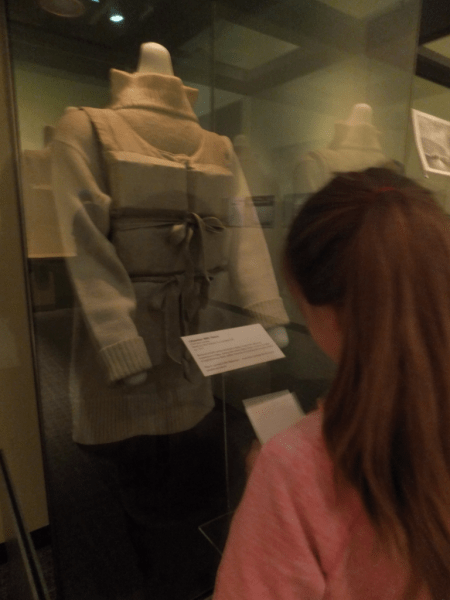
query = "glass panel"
{"x": 25, "y": 579}
{"x": 305, "y": 90}
{"x": 129, "y": 485}
{"x": 19, "y": 428}
{"x": 144, "y": 224}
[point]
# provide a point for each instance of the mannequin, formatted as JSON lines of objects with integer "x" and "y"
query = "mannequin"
{"x": 134, "y": 99}
{"x": 141, "y": 191}
{"x": 86, "y": 224}
{"x": 354, "y": 147}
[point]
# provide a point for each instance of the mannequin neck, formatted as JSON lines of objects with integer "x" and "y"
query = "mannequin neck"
{"x": 360, "y": 114}
{"x": 154, "y": 58}
{"x": 357, "y": 132}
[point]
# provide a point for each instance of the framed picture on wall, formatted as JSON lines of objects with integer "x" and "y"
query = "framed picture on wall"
{"x": 432, "y": 136}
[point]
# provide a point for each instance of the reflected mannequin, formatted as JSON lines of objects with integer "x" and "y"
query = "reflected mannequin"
{"x": 39, "y": 205}
{"x": 355, "y": 146}
{"x": 140, "y": 191}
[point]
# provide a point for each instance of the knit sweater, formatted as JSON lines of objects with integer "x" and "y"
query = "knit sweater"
{"x": 116, "y": 333}
{"x": 294, "y": 537}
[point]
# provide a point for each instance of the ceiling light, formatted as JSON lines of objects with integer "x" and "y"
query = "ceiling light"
{"x": 116, "y": 18}
{"x": 63, "y": 8}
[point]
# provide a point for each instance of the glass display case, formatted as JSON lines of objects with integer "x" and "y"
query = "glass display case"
{"x": 153, "y": 211}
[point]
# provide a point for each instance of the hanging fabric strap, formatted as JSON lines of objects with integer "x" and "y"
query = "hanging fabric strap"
{"x": 176, "y": 298}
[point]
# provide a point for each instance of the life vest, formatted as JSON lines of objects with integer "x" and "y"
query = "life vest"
{"x": 168, "y": 219}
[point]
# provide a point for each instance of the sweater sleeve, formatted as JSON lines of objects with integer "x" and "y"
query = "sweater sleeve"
{"x": 251, "y": 269}
{"x": 271, "y": 552}
{"x": 100, "y": 281}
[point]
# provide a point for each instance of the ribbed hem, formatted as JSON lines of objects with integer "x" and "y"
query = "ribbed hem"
{"x": 269, "y": 313}
{"x": 122, "y": 412}
{"x": 125, "y": 358}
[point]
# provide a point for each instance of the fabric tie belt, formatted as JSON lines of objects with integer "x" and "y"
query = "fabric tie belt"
{"x": 183, "y": 295}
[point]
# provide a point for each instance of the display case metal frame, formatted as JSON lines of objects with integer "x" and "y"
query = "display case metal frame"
{"x": 20, "y": 433}
{"x": 434, "y": 25}
{"x": 26, "y": 581}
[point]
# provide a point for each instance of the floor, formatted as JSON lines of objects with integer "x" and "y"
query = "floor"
{"x": 46, "y": 564}
{"x": 45, "y": 558}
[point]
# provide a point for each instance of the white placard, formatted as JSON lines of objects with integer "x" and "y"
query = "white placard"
{"x": 272, "y": 413}
{"x": 230, "y": 349}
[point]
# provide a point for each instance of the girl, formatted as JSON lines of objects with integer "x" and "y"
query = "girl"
{"x": 353, "y": 502}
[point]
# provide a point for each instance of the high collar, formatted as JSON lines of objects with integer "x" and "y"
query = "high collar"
{"x": 163, "y": 93}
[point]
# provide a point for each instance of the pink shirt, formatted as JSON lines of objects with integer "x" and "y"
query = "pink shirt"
{"x": 292, "y": 538}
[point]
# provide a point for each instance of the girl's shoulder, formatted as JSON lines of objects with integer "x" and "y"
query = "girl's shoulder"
{"x": 295, "y": 475}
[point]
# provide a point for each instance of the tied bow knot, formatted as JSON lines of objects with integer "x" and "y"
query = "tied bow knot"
{"x": 182, "y": 296}
{"x": 183, "y": 233}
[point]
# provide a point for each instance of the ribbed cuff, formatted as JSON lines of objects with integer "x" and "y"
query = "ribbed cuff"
{"x": 269, "y": 313}
{"x": 125, "y": 358}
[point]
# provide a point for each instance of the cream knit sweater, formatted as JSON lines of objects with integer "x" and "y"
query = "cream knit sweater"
{"x": 115, "y": 336}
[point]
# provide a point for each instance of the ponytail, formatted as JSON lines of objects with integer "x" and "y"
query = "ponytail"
{"x": 377, "y": 247}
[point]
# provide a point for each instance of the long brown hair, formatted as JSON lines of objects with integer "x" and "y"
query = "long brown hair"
{"x": 376, "y": 246}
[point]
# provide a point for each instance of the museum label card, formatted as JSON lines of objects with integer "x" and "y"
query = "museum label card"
{"x": 272, "y": 413}
{"x": 230, "y": 349}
